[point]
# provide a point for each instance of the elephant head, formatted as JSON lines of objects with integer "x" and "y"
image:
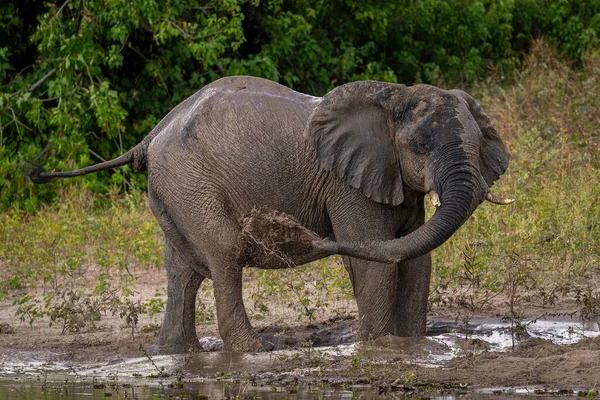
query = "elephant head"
{"x": 387, "y": 139}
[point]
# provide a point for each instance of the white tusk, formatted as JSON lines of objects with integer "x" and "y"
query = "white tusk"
{"x": 435, "y": 199}
{"x": 494, "y": 198}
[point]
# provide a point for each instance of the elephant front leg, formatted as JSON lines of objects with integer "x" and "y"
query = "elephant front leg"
{"x": 410, "y": 314}
{"x": 359, "y": 219}
{"x": 178, "y": 331}
{"x": 375, "y": 295}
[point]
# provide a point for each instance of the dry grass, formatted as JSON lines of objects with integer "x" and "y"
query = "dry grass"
{"x": 548, "y": 242}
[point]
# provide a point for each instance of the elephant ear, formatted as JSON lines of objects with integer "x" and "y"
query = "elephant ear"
{"x": 494, "y": 156}
{"x": 352, "y": 132}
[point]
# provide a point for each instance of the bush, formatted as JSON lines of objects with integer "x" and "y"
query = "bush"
{"x": 81, "y": 82}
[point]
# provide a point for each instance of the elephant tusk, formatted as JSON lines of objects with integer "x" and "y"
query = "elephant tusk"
{"x": 435, "y": 199}
{"x": 494, "y": 198}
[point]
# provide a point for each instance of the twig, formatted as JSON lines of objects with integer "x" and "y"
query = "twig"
{"x": 161, "y": 371}
{"x": 60, "y": 9}
{"x": 38, "y": 83}
{"x": 181, "y": 30}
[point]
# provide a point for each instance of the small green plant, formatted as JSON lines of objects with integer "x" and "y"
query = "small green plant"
{"x": 28, "y": 308}
{"x": 588, "y": 301}
{"x": 205, "y": 314}
{"x": 591, "y": 394}
{"x": 409, "y": 378}
{"x": 155, "y": 305}
{"x": 129, "y": 311}
{"x": 73, "y": 309}
{"x": 517, "y": 281}
{"x": 356, "y": 360}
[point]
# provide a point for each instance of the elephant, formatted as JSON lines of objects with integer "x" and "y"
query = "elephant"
{"x": 353, "y": 166}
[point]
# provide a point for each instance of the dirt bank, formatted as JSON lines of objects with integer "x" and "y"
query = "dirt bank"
{"x": 455, "y": 354}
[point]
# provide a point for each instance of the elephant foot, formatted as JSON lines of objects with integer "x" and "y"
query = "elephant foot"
{"x": 178, "y": 341}
{"x": 178, "y": 338}
{"x": 366, "y": 336}
{"x": 175, "y": 347}
{"x": 252, "y": 345}
{"x": 370, "y": 328}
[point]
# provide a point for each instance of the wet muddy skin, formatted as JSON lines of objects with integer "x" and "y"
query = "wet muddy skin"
{"x": 332, "y": 366}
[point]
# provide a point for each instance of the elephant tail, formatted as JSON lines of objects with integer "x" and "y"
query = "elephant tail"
{"x": 137, "y": 156}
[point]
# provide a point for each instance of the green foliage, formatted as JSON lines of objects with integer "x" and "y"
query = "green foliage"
{"x": 74, "y": 309}
{"x": 81, "y": 82}
{"x": 70, "y": 264}
{"x": 205, "y": 314}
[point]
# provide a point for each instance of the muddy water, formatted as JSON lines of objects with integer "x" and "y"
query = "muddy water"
{"x": 193, "y": 390}
{"x": 494, "y": 335}
{"x": 275, "y": 375}
{"x": 51, "y": 390}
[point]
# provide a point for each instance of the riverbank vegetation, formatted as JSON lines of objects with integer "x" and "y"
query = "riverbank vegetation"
{"x": 83, "y": 81}
{"x": 535, "y": 252}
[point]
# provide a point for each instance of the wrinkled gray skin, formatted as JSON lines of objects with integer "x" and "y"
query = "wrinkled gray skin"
{"x": 355, "y": 163}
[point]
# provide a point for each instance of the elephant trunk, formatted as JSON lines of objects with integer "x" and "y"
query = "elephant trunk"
{"x": 461, "y": 190}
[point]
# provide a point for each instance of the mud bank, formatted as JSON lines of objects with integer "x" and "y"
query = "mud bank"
{"x": 550, "y": 356}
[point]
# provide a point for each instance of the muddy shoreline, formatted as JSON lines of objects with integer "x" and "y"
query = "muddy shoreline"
{"x": 458, "y": 362}
{"x": 554, "y": 353}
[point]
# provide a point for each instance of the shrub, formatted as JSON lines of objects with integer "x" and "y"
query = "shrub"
{"x": 84, "y": 81}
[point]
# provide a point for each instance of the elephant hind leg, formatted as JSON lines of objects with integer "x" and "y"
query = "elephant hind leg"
{"x": 223, "y": 249}
{"x": 211, "y": 247}
{"x": 178, "y": 331}
{"x": 185, "y": 274}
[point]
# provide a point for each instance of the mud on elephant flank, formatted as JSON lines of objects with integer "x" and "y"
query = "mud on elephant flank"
{"x": 276, "y": 236}
{"x": 260, "y": 176}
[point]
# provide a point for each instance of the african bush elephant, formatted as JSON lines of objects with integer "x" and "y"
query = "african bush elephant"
{"x": 353, "y": 165}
